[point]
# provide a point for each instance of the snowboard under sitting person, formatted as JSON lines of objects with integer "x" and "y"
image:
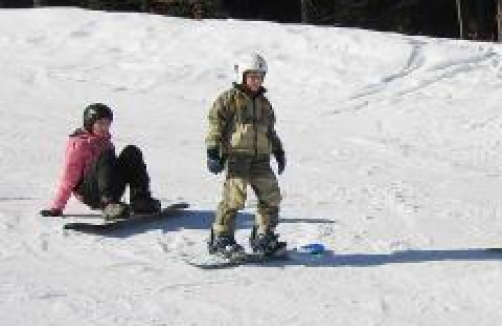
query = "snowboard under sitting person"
{"x": 95, "y": 175}
{"x": 242, "y": 138}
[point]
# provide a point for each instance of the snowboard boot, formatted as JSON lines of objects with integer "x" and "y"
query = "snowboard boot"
{"x": 267, "y": 244}
{"x": 115, "y": 211}
{"x": 146, "y": 205}
{"x": 224, "y": 245}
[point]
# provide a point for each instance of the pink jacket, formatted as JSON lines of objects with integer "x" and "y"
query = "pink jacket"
{"x": 82, "y": 149}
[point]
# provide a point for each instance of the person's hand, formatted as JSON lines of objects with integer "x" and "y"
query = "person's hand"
{"x": 215, "y": 163}
{"x": 51, "y": 212}
{"x": 280, "y": 157}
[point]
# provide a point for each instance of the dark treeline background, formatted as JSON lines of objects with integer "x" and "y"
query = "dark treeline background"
{"x": 470, "y": 19}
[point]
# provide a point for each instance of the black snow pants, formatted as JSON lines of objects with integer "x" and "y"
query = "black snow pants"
{"x": 107, "y": 178}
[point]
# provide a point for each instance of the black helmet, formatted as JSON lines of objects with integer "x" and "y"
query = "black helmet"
{"x": 94, "y": 112}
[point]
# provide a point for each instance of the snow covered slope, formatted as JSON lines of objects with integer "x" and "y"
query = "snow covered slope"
{"x": 394, "y": 150}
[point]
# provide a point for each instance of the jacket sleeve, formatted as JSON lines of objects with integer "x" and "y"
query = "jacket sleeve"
{"x": 217, "y": 123}
{"x": 72, "y": 172}
{"x": 274, "y": 138}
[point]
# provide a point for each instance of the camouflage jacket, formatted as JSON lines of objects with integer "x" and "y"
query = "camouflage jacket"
{"x": 240, "y": 124}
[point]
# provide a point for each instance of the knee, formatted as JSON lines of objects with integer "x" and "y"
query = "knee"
{"x": 233, "y": 206}
{"x": 271, "y": 200}
{"x": 271, "y": 213}
{"x": 131, "y": 153}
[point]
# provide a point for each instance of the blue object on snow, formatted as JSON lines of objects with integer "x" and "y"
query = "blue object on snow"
{"x": 312, "y": 248}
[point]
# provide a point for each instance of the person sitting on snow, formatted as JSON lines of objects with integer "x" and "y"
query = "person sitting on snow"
{"x": 97, "y": 176}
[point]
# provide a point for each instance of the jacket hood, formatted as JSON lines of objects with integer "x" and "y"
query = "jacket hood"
{"x": 82, "y": 133}
{"x": 78, "y": 132}
{"x": 250, "y": 94}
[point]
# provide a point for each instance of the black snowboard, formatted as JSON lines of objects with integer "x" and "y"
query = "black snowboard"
{"x": 208, "y": 261}
{"x": 103, "y": 227}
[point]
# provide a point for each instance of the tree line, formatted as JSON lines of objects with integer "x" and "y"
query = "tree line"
{"x": 468, "y": 19}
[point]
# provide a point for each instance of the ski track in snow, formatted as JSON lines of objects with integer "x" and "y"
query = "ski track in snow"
{"x": 406, "y": 82}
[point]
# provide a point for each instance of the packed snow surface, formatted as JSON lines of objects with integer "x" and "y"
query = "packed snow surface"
{"x": 394, "y": 150}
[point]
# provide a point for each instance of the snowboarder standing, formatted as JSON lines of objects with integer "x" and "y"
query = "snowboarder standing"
{"x": 97, "y": 176}
{"x": 242, "y": 138}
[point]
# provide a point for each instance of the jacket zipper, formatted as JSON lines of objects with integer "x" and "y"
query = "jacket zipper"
{"x": 255, "y": 128}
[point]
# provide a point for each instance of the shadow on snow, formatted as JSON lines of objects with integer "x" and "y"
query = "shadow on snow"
{"x": 202, "y": 219}
{"x": 331, "y": 259}
{"x": 184, "y": 219}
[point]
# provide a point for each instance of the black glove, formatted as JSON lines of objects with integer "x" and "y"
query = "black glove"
{"x": 51, "y": 212}
{"x": 215, "y": 163}
{"x": 280, "y": 157}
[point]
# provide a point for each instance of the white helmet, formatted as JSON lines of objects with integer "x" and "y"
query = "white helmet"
{"x": 250, "y": 62}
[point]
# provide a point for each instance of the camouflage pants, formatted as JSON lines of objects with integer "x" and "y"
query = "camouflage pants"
{"x": 241, "y": 173}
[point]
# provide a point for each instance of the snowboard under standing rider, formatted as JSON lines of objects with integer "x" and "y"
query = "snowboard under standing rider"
{"x": 95, "y": 175}
{"x": 242, "y": 138}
